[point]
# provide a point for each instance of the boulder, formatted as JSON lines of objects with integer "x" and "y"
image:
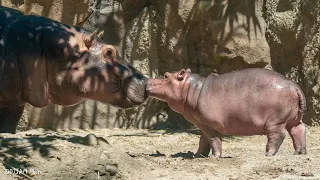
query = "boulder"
{"x": 292, "y": 32}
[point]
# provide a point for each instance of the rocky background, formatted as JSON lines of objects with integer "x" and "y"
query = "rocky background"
{"x": 205, "y": 35}
{"x": 292, "y": 32}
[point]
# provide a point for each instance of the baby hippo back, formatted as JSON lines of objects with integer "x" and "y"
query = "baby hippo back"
{"x": 246, "y": 101}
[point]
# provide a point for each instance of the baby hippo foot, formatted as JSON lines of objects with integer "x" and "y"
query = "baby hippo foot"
{"x": 204, "y": 147}
{"x": 300, "y": 152}
{"x": 216, "y": 145}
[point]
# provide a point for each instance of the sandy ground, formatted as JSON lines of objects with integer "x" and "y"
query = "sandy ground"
{"x": 145, "y": 154}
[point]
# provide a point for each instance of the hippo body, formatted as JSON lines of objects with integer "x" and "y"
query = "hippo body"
{"x": 45, "y": 62}
{"x": 254, "y": 101}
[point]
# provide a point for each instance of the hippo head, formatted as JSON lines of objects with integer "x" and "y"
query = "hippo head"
{"x": 100, "y": 74}
{"x": 169, "y": 87}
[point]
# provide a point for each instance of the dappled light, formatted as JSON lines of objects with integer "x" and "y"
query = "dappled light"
{"x": 223, "y": 18}
{"x": 210, "y": 28}
{"x": 144, "y": 89}
{"x": 68, "y": 69}
{"x": 17, "y": 152}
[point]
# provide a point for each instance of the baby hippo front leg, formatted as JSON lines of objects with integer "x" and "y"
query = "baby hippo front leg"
{"x": 214, "y": 140}
{"x": 204, "y": 146}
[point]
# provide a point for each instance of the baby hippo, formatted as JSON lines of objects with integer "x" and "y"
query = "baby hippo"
{"x": 254, "y": 101}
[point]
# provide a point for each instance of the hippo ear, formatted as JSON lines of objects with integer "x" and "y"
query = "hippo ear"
{"x": 88, "y": 40}
{"x": 188, "y": 70}
{"x": 181, "y": 75}
{"x": 100, "y": 34}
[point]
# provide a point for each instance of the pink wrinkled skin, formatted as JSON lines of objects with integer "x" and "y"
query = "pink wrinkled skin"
{"x": 248, "y": 102}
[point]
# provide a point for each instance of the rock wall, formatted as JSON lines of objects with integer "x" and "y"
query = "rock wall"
{"x": 155, "y": 36}
{"x": 292, "y": 31}
{"x": 68, "y": 11}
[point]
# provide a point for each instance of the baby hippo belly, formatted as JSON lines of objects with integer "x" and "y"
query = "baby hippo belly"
{"x": 236, "y": 115}
{"x": 236, "y": 125}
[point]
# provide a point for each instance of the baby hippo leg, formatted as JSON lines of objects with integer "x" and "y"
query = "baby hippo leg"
{"x": 204, "y": 146}
{"x": 214, "y": 138}
{"x": 298, "y": 136}
{"x": 275, "y": 135}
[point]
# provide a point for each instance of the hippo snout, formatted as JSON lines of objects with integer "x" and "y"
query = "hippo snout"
{"x": 134, "y": 88}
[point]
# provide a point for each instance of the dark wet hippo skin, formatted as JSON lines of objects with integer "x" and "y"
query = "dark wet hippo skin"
{"x": 254, "y": 101}
{"x": 45, "y": 62}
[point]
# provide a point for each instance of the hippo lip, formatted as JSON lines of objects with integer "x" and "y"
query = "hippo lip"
{"x": 132, "y": 99}
{"x": 134, "y": 89}
{"x": 135, "y": 102}
{"x": 138, "y": 101}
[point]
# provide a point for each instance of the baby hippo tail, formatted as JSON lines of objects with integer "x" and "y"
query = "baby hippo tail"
{"x": 302, "y": 102}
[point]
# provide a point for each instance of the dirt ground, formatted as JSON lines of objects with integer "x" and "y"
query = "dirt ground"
{"x": 145, "y": 154}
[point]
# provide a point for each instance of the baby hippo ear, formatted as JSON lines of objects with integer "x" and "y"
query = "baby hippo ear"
{"x": 181, "y": 75}
{"x": 188, "y": 70}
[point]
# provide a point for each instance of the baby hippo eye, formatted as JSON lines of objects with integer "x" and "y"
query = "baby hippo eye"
{"x": 165, "y": 76}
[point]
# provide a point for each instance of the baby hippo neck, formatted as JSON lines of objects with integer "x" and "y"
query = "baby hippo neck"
{"x": 192, "y": 90}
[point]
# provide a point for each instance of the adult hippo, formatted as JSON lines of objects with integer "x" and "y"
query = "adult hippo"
{"x": 45, "y": 62}
{"x": 254, "y": 101}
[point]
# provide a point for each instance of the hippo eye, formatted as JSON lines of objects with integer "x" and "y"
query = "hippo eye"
{"x": 109, "y": 52}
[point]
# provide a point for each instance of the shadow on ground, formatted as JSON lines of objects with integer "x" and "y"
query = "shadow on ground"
{"x": 16, "y": 152}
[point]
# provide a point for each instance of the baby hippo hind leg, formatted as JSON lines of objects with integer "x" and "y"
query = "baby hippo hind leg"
{"x": 204, "y": 146}
{"x": 298, "y": 136}
{"x": 275, "y": 135}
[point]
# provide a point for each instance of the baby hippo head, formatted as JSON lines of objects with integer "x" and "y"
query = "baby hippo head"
{"x": 169, "y": 87}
